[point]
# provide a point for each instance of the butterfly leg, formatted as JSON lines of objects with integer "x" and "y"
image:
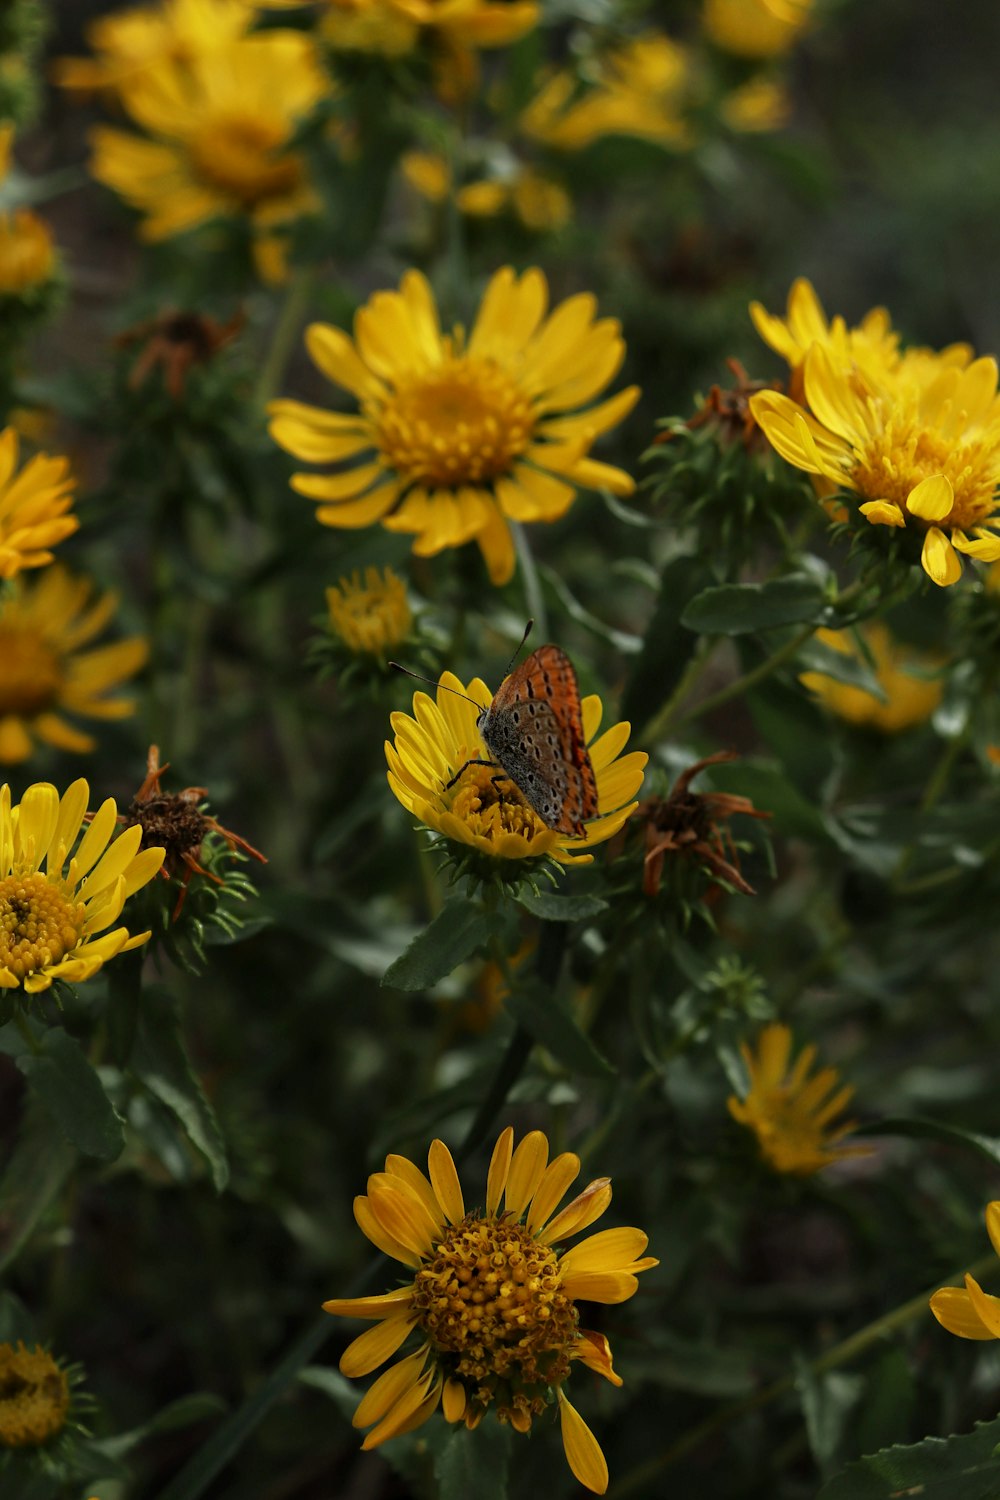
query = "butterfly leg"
{"x": 474, "y": 762}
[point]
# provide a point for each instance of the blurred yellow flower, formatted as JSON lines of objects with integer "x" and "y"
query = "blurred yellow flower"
{"x": 373, "y": 617}
{"x": 27, "y": 250}
{"x": 44, "y": 672}
{"x": 33, "y": 507}
{"x": 492, "y": 1301}
{"x": 756, "y": 28}
{"x": 130, "y": 41}
{"x": 912, "y": 694}
{"x": 538, "y": 202}
{"x": 484, "y": 809}
{"x": 394, "y": 27}
{"x": 638, "y": 89}
{"x": 971, "y": 1313}
{"x": 760, "y": 104}
{"x": 456, "y": 436}
{"x": 923, "y": 450}
{"x": 50, "y": 918}
{"x": 791, "y": 1114}
{"x": 221, "y": 128}
{"x": 34, "y": 1393}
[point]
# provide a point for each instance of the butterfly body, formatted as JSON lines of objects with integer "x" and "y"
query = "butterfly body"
{"x": 533, "y": 729}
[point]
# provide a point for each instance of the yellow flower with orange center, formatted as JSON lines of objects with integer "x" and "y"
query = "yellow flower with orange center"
{"x": 455, "y": 437}
{"x": 638, "y": 89}
{"x": 912, "y": 693}
{"x": 33, "y": 507}
{"x": 483, "y": 808}
{"x": 130, "y": 41}
{"x": 58, "y": 896}
{"x": 221, "y": 127}
{"x": 756, "y": 28}
{"x": 34, "y": 1396}
{"x": 370, "y": 617}
{"x": 45, "y": 673}
{"x": 492, "y": 1302}
{"x": 971, "y": 1313}
{"x": 792, "y": 1114}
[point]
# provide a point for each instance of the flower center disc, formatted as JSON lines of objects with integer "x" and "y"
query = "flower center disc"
{"x": 34, "y": 1396}
{"x": 491, "y": 804}
{"x": 236, "y": 154}
{"x": 906, "y": 451}
{"x": 461, "y": 423}
{"x": 38, "y": 925}
{"x": 491, "y": 1301}
{"x": 30, "y": 677}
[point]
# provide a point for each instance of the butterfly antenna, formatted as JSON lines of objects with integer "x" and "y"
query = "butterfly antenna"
{"x": 527, "y": 631}
{"x": 443, "y": 685}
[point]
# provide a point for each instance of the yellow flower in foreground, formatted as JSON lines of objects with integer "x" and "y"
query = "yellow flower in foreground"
{"x": 639, "y": 89}
{"x": 45, "y": 673}
{"x": 33, "y": 506}
{"x": 51, "y": 917}
{"x": 455, "y": 436}
{"x": 790, "y": 1113}
{"x": 373, "y": 617}
{"x": 920, "y": 451}
{"x": 222, "y": 126}
{"x": 131, "y": 41}
{"x": 756, "y": 28}
{"x": 484, "y": 808}
{"x": 902, "y": 673}
{"x": 972, "y": 1313}
{"x": 492, "y": 1301}
{"x": 34, "y": 1396}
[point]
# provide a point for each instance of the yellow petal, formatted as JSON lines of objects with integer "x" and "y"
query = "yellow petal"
{"x": 986, "y": 1308}
{"x": 496, "y": 1179}
{"x": 939, "y": 558}
{"x": 882, "y": 513}
{"x": 453, "y": 1401}
{"x": 609, "y": 1250}
{"x": 447, "y": 1188}
{"x": 953, "y": 1309}
{"x": 993, "y": 1225}
{"x": 373, "y": 1347}
{"x": 526, "y": 1168}
{"x": 388, "y": 1388}
{"x": 558, "y": 1177}
{"x": 932, "y": 499}
{"x": 583, "y": 1451}
{"x": 382, "y": 1306}
{"x": 583, "y": 1211}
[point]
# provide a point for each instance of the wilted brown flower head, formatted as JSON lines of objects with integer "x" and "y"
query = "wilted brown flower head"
{"x": 694, "y": 826}
{"x": 175, "y": 821}
{"x": 728, "y": 411}
{"x": 175, "y": 341}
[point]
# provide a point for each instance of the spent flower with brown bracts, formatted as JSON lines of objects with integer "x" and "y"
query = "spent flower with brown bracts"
{"x": 174, "y": 342}
{"x": 726, "y": 412}
{"x": 493, "y": 1299}
{"x": 178, "y": 823}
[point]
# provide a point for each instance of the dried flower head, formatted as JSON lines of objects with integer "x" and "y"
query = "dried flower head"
{"x": 174, "y": 342}
{"x": 727, "y": 411}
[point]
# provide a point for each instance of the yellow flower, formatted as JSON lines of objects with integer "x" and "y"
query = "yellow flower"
{"x": 33, "y": 506}
{"x": 131, "y": 41}
{"x": 759, "y": 104}
{"x": 485, "y": 810}
{"x": 43, "y": 670}
{"x": 371, "y": 617}
{"x": 639, "y": 90}
{"x": 790, "y": 1113}
{"x": 27, "y": 251}
{"x": 455, "y": 436}
{"x": 911, "y": 697}
{"x": 492, "y": 1301}
{"x": 972, "y": 1313}
{"x": 222, "y": 126}
{"x": 50, "y": 918}
{"x": 34, "y": 1395}
{"x": 872, "y": 344}
{"x": 537, "y": 201}
{"x": 392, "y": 27}
{"x": 756, "y": 28}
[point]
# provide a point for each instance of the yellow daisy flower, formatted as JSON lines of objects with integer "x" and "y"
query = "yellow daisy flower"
{"x": 51, "y": 918}
{"x": 492, "y": 1301}
{"x": 922, "y": 451}
{"x": 34, "y": 1396}
{"x": 484, "y": 809}
{"x": 756, "y": 28}
{"x": 129, "y": 42}
{"x": 373, "y": 617}
{"x": 790, "y": 1113}
{"x": 972, "y": 1313}
{"x": 45, "y": 673}
{"x": 760, "y": 104}
{"x": 33, "y": 506}
{"x": 872, "y": 344}
{"x": 639, "y": 89}
{"x": 221, "y": 127}
{"x": 455, "y": 436}
{"x": 911, "y": 695}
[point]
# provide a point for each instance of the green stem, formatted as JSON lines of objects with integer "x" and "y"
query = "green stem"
{"x": 286, "y": 331}
{"x": 750, "y": 679}
{"x": 534, "y": 603}
{"x": 21, "y": 1022}
{"x": 936, "y": 785}
{"x": 842, "y": 1353}
{"x": 656, "y": 728}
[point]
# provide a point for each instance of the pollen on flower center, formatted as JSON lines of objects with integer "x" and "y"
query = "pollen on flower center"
{"x": 236, "y": 154}
{"x": 893, "y": 463}
{"x": 38, "y": 924}
{"x": 492, "y": 1304}
{"x": 34, "y": 1396}
{"x": 463, "y": 422}
{"x": 491, "y": 804}
{"x": 30, "y": 673}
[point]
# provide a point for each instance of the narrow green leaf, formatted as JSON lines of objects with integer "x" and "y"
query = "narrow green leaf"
{"x": 183, "y": 1412}
{"x": 552, "y": 906}
{"x": 667, "y": 645}
{"x": 475, "y": 1463}
{"x": 622, "y": 640}
{"x": 460, "y": 927}
{"x": 38, "y": 1167}
{"x": 160, "y": 1060}
{"x": 551, "y": 1022}
{"x": 72, "y": 1093}
{"x": 920, "y": 1128}
{"x": 739, "y": 608}
{"x": 965, "y": 1467}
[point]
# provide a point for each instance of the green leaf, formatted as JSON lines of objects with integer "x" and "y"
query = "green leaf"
{"x": 966, "y": 1467}
{"x": 460, "y": 927}
{"x": 72, "y": 1093}
{"x": 842, "y": 666}
{"x": 828, "y": 1403}
{"x": 475, "y": 1463}
{"x": 740, "y": 608}
{"x": 551, "y": 906}
{"x": 160, "y": 1060}
{"x": 556, "y": 586}
{"x": 183, "y": 1412}
{"x": 920, "y": 1128}
{"x": 40, "y": 1164}
{"x": 667, "y": 646}
{"x": 552, "y": 1023}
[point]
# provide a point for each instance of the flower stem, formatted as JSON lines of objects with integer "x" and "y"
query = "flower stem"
{"x": 841, "y": 1354}
{"x": 21, "y": 1022}
{"x": 750, "y": 679}
{"x": 534, "y": 603}
{"x": 656, "y": 728}
{"x": 286, "y": 331}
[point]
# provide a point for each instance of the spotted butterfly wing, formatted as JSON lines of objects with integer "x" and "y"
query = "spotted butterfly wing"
{"x": 533, "y": 729}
